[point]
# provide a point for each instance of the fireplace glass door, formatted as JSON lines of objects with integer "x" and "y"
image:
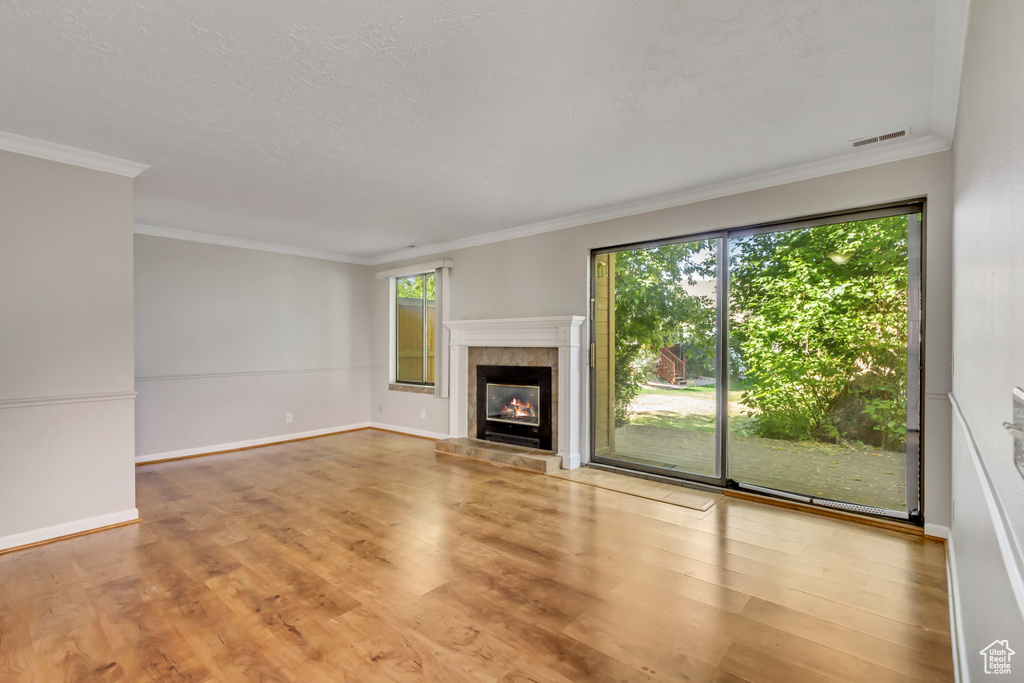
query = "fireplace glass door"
{"x": 513, "y": 403}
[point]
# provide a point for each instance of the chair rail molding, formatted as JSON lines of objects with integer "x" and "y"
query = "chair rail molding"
{"x": 34, "y": 401}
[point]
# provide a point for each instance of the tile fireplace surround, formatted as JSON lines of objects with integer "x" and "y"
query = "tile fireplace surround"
{"x": 517, "y": 342}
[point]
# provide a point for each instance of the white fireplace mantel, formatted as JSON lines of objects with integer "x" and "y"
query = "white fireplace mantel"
{"x": 561, "y": 332}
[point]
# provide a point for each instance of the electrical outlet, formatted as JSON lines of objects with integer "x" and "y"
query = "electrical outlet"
{"x": 380, "y": 408}
{"x": 288, "y": 417}
{"x": 423, "y": 413}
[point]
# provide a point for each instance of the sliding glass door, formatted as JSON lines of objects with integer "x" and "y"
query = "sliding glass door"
{"x": 784, "y": 359}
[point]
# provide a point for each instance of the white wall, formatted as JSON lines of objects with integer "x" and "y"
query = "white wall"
{"x": 988, "y": 330}
{"x": 66, "y": 394}
{"x": 552, "y": 275}
{"x": 227, "y": 341}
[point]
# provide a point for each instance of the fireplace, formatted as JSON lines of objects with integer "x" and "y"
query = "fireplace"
{"x": 514, "y": 405}
{"x": 553, "y": 342}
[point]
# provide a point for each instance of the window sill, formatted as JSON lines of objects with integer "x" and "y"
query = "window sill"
{"x": 412, "y": 388}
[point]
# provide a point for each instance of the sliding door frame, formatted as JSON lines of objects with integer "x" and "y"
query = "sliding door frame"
{"x": 915, "y": 351}
{"x": 721, "y": 365}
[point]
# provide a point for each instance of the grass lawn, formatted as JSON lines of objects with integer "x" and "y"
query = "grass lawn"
{"x": 675, "y": 429}
{"x": 698, "y": 421}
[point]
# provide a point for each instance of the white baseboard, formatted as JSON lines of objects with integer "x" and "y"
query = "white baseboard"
{"x": 67, "y": 529}
{"x": 409, "y": 430}
{"x": 956, "y": 629}
{"x": 251, "y": 443}
{"x": 936, "y": 530}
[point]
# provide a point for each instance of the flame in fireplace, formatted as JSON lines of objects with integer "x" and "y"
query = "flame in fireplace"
{"x": 516, "y": 409}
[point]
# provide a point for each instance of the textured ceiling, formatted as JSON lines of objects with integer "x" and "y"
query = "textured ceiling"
{"x": 363, "y": 127}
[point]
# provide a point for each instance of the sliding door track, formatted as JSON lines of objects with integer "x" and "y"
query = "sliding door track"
{"x": 825, "y": 502}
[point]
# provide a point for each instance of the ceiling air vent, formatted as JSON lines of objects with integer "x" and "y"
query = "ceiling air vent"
{"x": 881, "y": 138}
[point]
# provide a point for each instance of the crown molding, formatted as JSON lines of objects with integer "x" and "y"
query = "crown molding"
{"x": 863, "y": 158}
{"x": 238, "y": 243}
{"x": 948, "y": 54}
{"x": 51, "y": 151}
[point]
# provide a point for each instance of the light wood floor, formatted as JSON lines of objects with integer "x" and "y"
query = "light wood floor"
{"x": 365, "y": 557}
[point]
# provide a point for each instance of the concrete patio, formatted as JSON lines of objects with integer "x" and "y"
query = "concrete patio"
{"x": 853, "y": 473}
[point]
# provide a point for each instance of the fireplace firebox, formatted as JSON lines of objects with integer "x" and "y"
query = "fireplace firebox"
{"x": 514, "y": 405}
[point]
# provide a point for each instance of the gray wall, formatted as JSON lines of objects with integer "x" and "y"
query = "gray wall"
{"x": 552, "y": 272}
{"x": 227, "y": 341}
{"x": 66, "y": 404}
{"x": 988, "y": 338}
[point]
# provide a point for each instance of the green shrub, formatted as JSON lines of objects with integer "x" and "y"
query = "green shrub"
{"x": 811, "y": 331}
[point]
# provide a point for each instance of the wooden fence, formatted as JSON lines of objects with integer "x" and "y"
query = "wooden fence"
{"x": 410, "y": 341}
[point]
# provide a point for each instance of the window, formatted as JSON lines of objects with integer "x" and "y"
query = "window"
{"x": 414, "y": 329}
{"x": 418, "y": 338}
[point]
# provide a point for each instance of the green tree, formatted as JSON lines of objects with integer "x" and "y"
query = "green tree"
{"x": 653, "y": 309}
{"x": 411, "y": 286}
{"x": 819, "y": 321}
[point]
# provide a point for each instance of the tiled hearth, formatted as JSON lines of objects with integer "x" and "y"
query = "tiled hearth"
{"x": 545, "y": 462}
{"x": 553, "y": 342}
